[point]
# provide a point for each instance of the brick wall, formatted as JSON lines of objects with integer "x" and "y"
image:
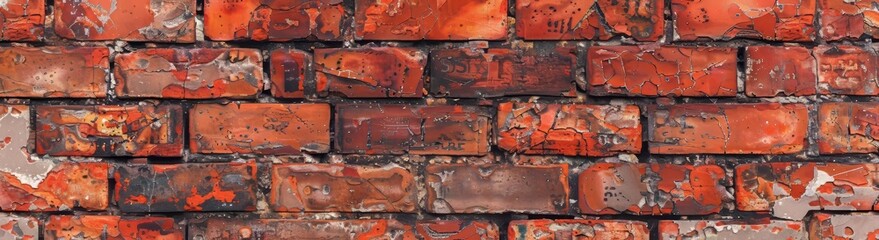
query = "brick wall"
{"x": 439, "y": 119}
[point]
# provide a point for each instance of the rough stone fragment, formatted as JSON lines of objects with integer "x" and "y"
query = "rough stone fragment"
{"x": 112, "y": 227}
{"x": 260, "y": 128}
{"x": 847, "y": 70}
{"x": 373, "y": 72}
{"x": 105, "y": 130}
{"x": 464, "y": 188}
{"x": 473, "y": 73}
{"x": 273, "y": 20}
{"x": 225, "y": 228}
{"x": 412, "y": 129}
{"x": 66, "y": 186}
{"x": 731, "y": 229}
{"x": 846, "y": 127}
{"x": 843, "y": 227}
{"x": 779, "y": 71}
{"x": 134, "y": 20}
{"x": 19, "y": 228}
{"x": 200, "y": 73}
{"x": 291, "y": 73}
{"x": 22, "y": 20}
{"x": 194, "y": 187}
{"x": 759, "y": 128}
{"x": 401, "y": 20}
{"x": 775, "y": 20}
{"x": 546, "y": 229}
{"x": 662, "y": 71}
{"x": 591, "y": 19}
{"x": 46, "y": 72}
{"x": 652, "y": 189}
{"x": 568, "y": 129}
{"x": 849, "y": 19}
{"x": 457, "y": 229}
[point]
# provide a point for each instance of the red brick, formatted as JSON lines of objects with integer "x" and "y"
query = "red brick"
{"x": 200, "y": 73}
{"x": 848, "y": 127}
{"x": 273, "y": 20}
{"x": 112, "y": 227}
{"x": 134, "y": 20}
{"x": 373, "y": 72}
{"x": 472, "y": 73}
{"x": 66, "y": 186}
{"x": 731, "y": 229}
{"x": 225, "y": 228}
{"x": 575, "y": 20}
{"x": 848, "y": 19}
{"x": 546, "y": 229}
{"x": 847, "y": 70}
{"x": 342, "y": 188}
{"x": 843, "y": 227}
{"x": 662, "y": 71}
{"x": 105, "y": 130}
{"x": 19, "y": 228}
{"x": 413, "y": 129}
{"x": 779, "y": 71}
{"x": 22, "y": 20}
{"x": 787, "y": 20}
{"x": 194, "y": 187}
{"x": 464, "y": 188}
{"x": 568, "y": 129}
{"x": 791, "y": 189}
{"x": 456, "y": 229}
{"x": 290, "y": 70}
{"x": 260, "y": 128}
{"x": 652, "y": 189}
{"x": 760, "y": 128}
{"x": 54, "y": 72}
{"x": 430, "y": 20}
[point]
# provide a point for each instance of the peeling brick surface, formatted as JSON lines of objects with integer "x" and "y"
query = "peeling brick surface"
{"x": 457, "y": 229}
{"x": 290, "y": 73}
{"x": 65, "y": 186}
{"x": 22, "y": 20}
{"x": 593, "y": 19}
{"x": 54, "y": 72}
{"x": 847, "y": 70}
{"x": 841, "y": 226}
{"x": 12, "y": 227}
{"x": 731, "y": 229}
{"x": 779, "y": 71}
{"x": 848, "y": 19}
{"x": 546, "y": 229}
{"x": 380, "y": 72}
{"x": 218, "y": 228}
{"x": 430, "y": 19}
{"x": 759, "y": 19}
{"x": 273, "y": 20}
{"x": 111, "y": 227}
{"x": 135, "y": 20}
{"x": 847, "y": 127}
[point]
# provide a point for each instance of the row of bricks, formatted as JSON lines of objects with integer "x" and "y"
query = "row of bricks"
{"x": 822, "y": 226}
{"x": 399, "y": 72}
{"x": 283, "y": 20}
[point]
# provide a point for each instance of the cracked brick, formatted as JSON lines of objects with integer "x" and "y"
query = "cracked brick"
{"x": 591, "y": 19}
{"x": 19, "y": 228}
{"x": 22, "y": 20}
{"x": 54, "y": 72}
{"x": 843, "y": 226}
{"x": 847, "y": 127}
{"x": 774, "y": 20}
{"x": 731, "y": 229}
{"x": 273, "y": 20}
{"x": 260, "y": 128}
{"x": 201, "y": 73}
{"x": 849, "y": 19}
{"x": 546, "y": 229}
{"x": 568, "y": 129}
{"x": 111, "y": 227}
{"x": 847, "y": 70}
{"x": 408, "y": 20}
{"x": 370, "y": 72}
{"x": 225, "y": 228}
{"x": 661, "y": 71}
{"x": 17, "y": 144}
{"x": 135, "y": 20}
{"x": 456, "y": 229}
{"x": 290, "y": 74}
{"x": 780, "y": 71}
{"x": 66, "y": 186}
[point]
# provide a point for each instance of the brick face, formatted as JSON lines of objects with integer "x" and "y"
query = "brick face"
{"x": 137, "y": 21}
{"x": 61, "y": 72}
{"x": 450, "y": 20}
{"x": 275, "y": 20}
{"x": 22, "y": 20}
{"x": 572, "y": 20}
{"x": 726, "y": 19}
{"x": 380, "y": 72}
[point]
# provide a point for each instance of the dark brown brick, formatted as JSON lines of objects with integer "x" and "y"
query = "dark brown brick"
{"x": 373, "y": 72}
{"x": 45, "y": 72}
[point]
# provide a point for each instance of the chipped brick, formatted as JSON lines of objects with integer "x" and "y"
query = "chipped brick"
{"x": 464, "y": 188}
{"x": 413, "y": 129}
{"x": 289, "y": 73}
{"x": 195, "y": 187}
{"x": 273, "y": 20}
{"x": 200, "y": 73}
{"x": 15, "y": 125}
{"x": 849, "y": 19}
{"x": 546, "y": 229}
{"x": 761, "y": 128}
{"x": 848, "y": 127}
{"x": 65, "y": 186}
{"x": 373, "y": 72}
{"x": 472, "y": 73}
{"x": 54, "y": 72}
{"x": 843, "y": 227}
{"x": 731, "y": 229}
{"x": 847, "y": 70}
{"x": 430, "y": 20}
{"x": 260, "y": 128}
{"x": 779, "y": 71}
{"x": 595, "y": 20}
{"x": 19, "y": 228}
{"x": 224, "y": 228}
{"x": 662, "y": 71}
{"x": 131, "y": 130}
{"x": 135, "y": 20}
{"x": 456, "y": 229}
{"x": 22, "y": 20}
{"x": 727, "y": 19}
{"x": 112, "y": 227}
{"x": 568, "y": 129}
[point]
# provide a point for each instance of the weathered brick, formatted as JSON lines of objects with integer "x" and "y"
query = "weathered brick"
{"x": 273, "y": 20}
{"x": 842, "y": 226}
{"x": 19, "y": 228}
{"x": 786, "y": 71}
{"x": 430, "y": 20}
{"x": 260, "y": 128}
{"x": 456, "y": 229}
{"x": 135, "y": 20}
{"x": 662, "y": 71}
{"x": 17, "y": 144}
{"x": 845, "y": 127}
{"x": 199, "y": 73}
{"x": 65, "y": 186}
{"x": 473, "y": 73}
{"x": 464, "y": 188}
{"x": 22, "y": 20}
{"x": 791, "y": 189}
{"x": 760, "y": 128}
{"x": 342, "y": 188}
{"x": 413, "y": 129}
{"x": 130, "y": 130}
{"x": 847, "y": 70}
{"x": 372, "y": 72}
{"x": 848, "y": 19}
{"x": 111, "y": 227}
{"x": 728, "y": 19}
{"x": 204, "y": 187}
{"x": 290, "y": 73}
{"x": 731, "y": 229}
{"x": 568, "y": 129}
{"x": 597, "y": 20}
{"x": 54, "y": 72}
{"x": 652, "y": 189}
{"x": 224, "y": 228}
{"x": 546, "y": 229}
